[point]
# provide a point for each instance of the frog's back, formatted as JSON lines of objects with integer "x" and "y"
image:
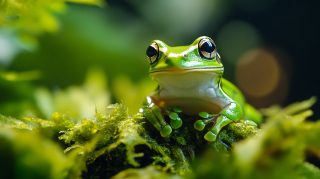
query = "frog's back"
{"x": 233, "y": 92}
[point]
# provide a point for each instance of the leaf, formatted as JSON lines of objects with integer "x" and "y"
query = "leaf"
{"x": 300, "y": 106}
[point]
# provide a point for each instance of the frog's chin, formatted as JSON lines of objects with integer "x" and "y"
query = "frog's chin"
{"x": 215, "y": 70}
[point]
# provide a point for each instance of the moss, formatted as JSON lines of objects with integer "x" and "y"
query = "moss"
{"x": 233, "y": 133}
{"x": 114, "y": 141}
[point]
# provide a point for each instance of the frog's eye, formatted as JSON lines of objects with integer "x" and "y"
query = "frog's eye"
{"x": 207, "y": 48}
{"x": 153, "y": 52}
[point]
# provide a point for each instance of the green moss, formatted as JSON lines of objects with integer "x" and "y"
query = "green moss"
{"x": 114, "y": 141}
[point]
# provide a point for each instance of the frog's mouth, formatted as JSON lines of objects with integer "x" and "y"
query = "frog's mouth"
{"x": 216, "y": 70}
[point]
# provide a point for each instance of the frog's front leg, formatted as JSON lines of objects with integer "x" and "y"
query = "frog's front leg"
{"x": 153, "y": 114}
{"x": 230, "y": 113}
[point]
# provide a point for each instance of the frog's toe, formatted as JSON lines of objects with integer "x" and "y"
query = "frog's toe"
{"x": 176, "y": 124}
{"x": 210, "y": 136}
{"x": 175, "y": 120}
{"x": 166, "y": 131}
{"x": 199, "y": 125}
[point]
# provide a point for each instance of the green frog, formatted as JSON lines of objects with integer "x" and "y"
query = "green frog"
{"x": 190, "y": 81}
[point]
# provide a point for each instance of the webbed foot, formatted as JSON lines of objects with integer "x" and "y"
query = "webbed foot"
{"x": 154, "y": 115}
{"x": 218, "y": 121}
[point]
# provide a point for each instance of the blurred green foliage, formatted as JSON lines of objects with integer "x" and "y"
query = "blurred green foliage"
{"x": 29, "y": 155}
{"x": 132, "y": 94}
{"x": 34, "y": 17}
{"x": 76, "y": 101}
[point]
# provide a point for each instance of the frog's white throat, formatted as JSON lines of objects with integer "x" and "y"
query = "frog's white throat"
{"x": 189, "y": 80}
{"x": 192, "y": 91}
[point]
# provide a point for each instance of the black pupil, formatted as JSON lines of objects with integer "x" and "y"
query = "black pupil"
{"x": 207, "y": 47}
{"x": 151, "y": 51}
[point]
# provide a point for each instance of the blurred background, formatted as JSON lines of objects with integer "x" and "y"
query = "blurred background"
{"x": 91, "y": 56}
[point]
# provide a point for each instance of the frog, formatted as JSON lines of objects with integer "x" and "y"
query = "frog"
{"x": 190, "y": 79}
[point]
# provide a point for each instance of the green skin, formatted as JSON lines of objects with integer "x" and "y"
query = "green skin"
{"x": 193, "y": 83}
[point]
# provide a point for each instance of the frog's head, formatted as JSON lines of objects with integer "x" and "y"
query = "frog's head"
{"x": 200, "y": 56}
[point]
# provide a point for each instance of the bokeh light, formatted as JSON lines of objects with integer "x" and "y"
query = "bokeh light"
{"x": 262, "y": 78}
